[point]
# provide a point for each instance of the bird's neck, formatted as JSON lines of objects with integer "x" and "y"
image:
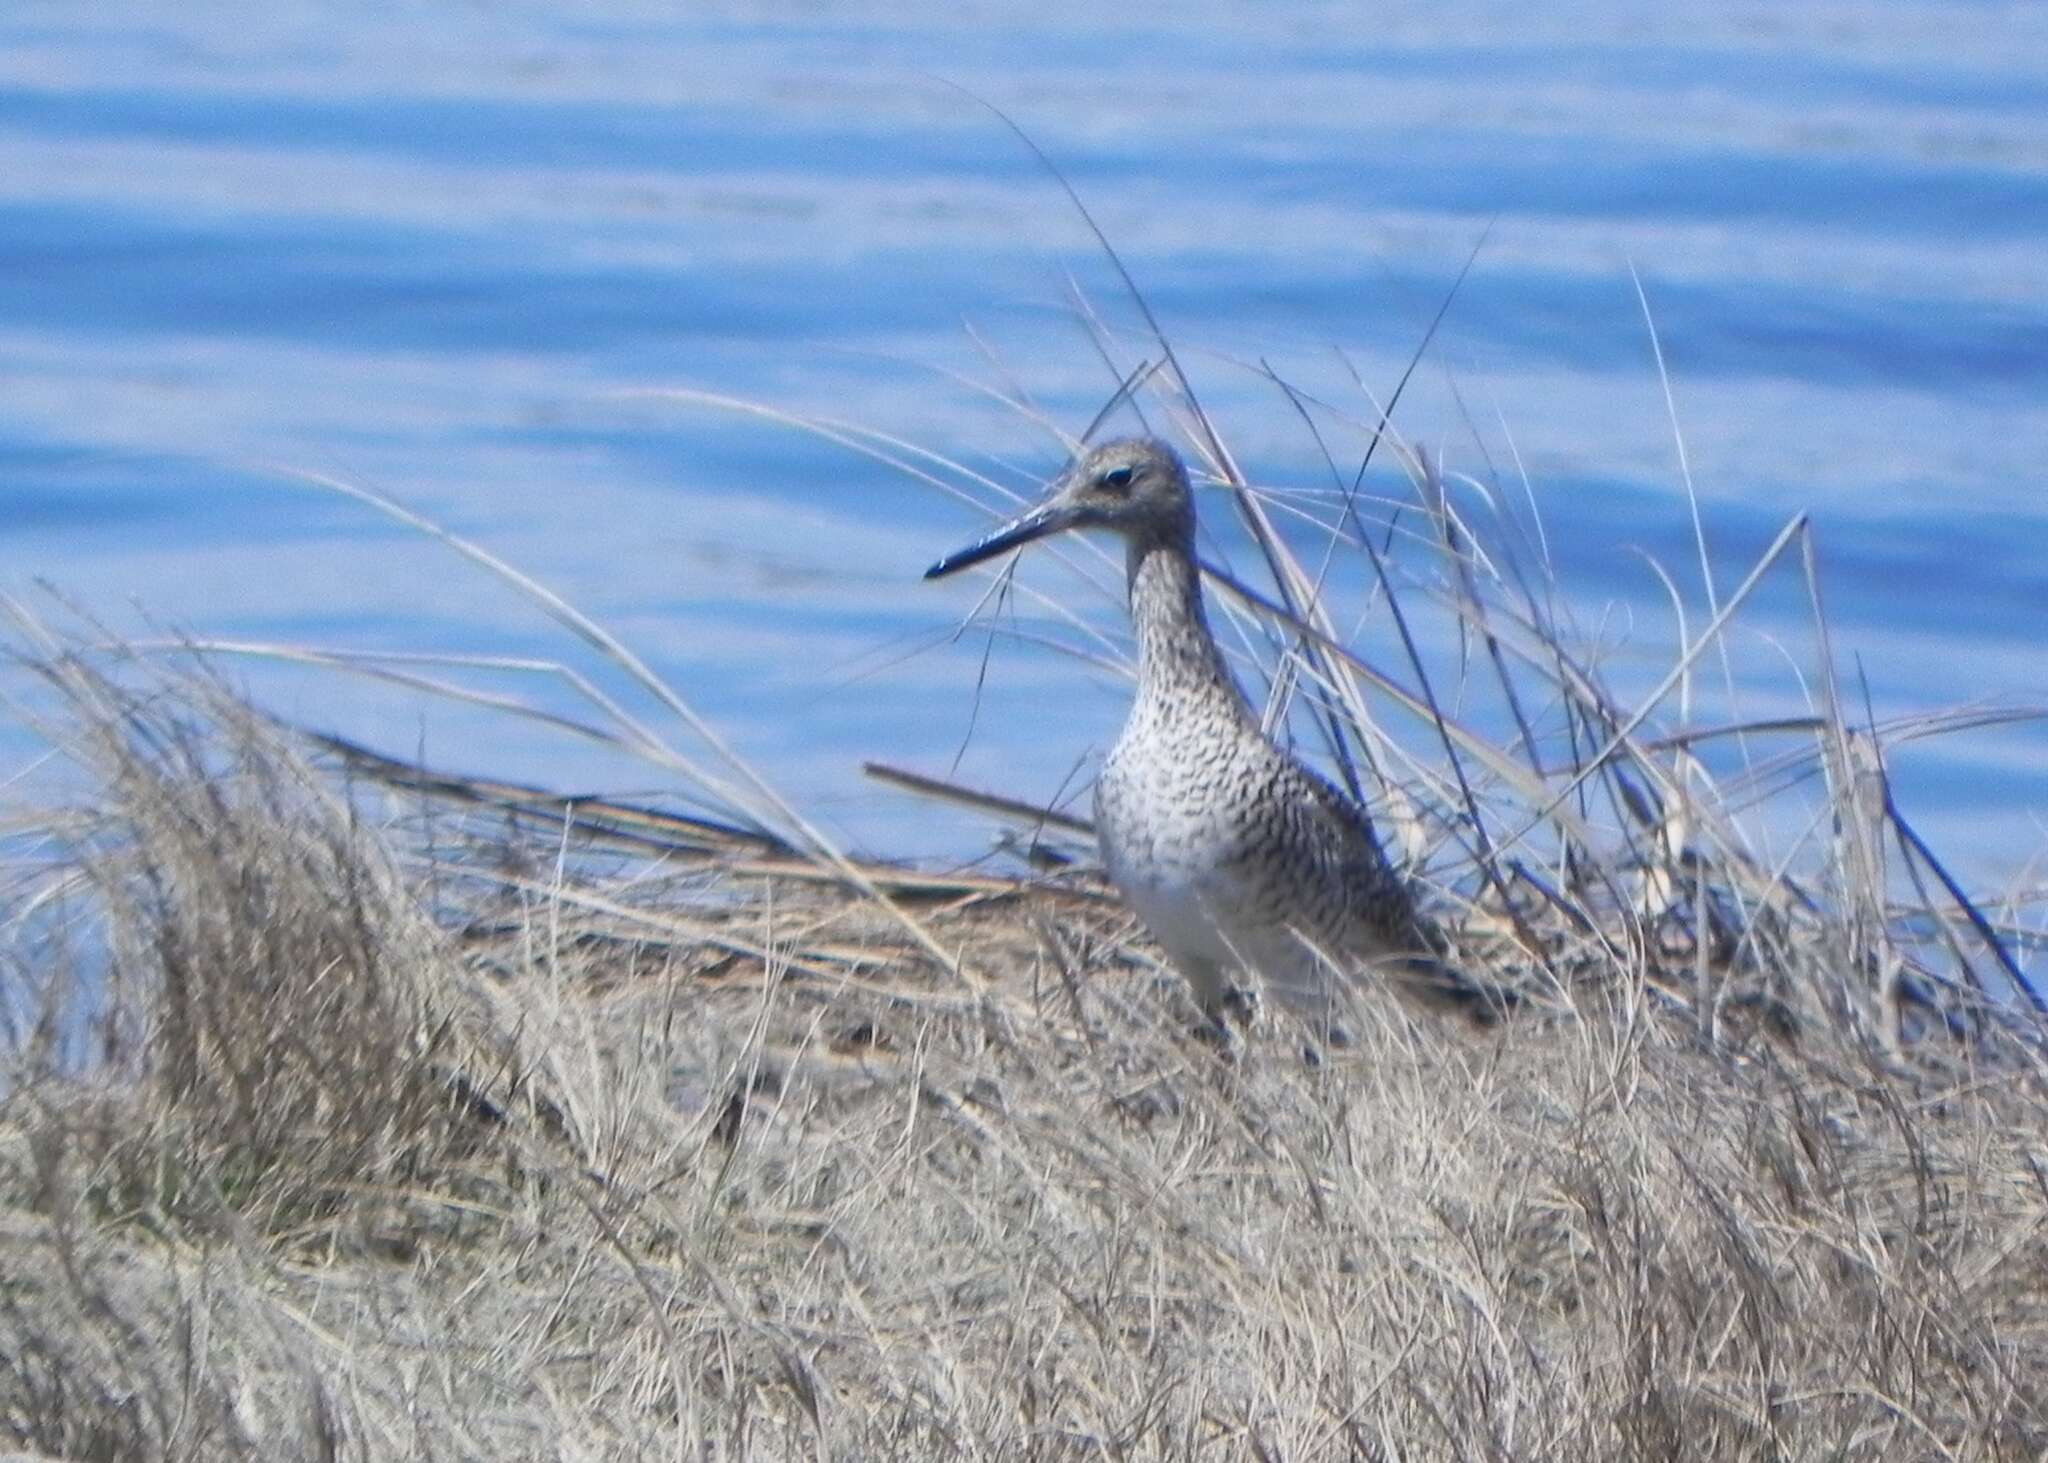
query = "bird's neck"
{"x": 1177, "y": 656}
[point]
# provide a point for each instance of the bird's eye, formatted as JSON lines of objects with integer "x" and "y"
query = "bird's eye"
{"x": 1117, "y": 479}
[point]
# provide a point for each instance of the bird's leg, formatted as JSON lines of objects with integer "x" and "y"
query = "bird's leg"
{"x": 1237, "y": 1003}
{"x": 1223, "y": 1004}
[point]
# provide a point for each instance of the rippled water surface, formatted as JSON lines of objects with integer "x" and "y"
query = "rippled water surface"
{"x": 437, "y": 252}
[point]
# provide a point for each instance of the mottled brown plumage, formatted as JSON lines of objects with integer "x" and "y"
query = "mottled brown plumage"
{"x": 1236, "y": 856}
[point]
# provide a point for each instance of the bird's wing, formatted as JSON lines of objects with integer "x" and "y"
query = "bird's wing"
{"x": 1343, "y": 832}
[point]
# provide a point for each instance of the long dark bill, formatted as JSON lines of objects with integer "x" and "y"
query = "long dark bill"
{"x": 1044, "y": 519}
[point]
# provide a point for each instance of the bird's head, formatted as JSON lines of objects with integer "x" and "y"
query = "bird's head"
{"x": 1135, "y": 486}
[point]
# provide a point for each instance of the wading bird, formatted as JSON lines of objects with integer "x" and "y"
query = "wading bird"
{"x": 1235, "y": 856}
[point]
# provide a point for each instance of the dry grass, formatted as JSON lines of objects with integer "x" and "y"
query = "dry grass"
{"x": 452, "y": 1137}
{"x": 350, "y": 1112}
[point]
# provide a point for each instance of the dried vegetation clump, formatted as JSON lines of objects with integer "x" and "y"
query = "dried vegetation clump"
{"x": 348, "y": 1110}
{"x": 442, "y": 1121}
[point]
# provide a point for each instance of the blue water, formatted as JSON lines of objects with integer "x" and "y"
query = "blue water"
{"x": 437, "y": 253}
